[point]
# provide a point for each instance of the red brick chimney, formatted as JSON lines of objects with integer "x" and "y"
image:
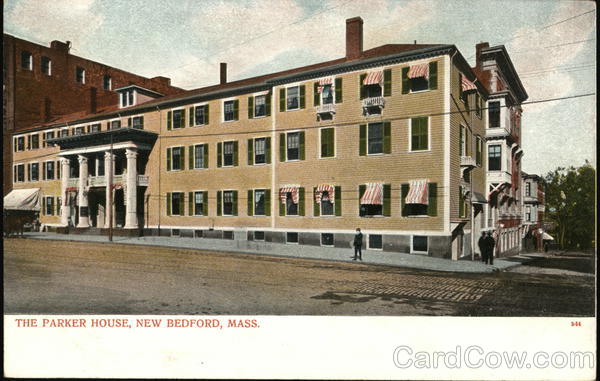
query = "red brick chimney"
{"x": 223, "y": 73}
{"x": 354, "y": 38}
{"x": 61, "y": 46}
{"x": 478, "y": 48}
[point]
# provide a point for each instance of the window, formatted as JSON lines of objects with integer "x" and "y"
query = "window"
{"x": 176, "y": 159}
{"x": 326, "y": 239}
{"x": 115, "y": 124}
{"x": 260, "y": 152}
{"x": 419, "y": 244}
{"x": 48, "y": 136}
{"x": 375, "y": 138}
{"x": 230, "y": 110}
{"x": 419, "y": 209}
{"x": 291, "y": 237}
{"x": 107, "y": 82}
{"x": 58, "y": 206}
{"x": 79, "y": 130}
{"x": 95, "y": 127}
{"x": 228, "y": 149}
{"x": 462, "y": 149}
{"x": 419, "y": 78}
{"x": 375, "y": 242}
{"x": 374, "y": 199}
{"x": 34, "y": 141}
{"x": 259, "y": 236}
{"x": 178, "y": 118}
{"x": 199, "y": 156}
{"x": 478, "y": 148}
{"x": 291, "y": 208}
{"x": 49, "y": 206}
{"x": 19, "y": 143}
{"x": 127, "y": 97}
{"x": 327, "y": 94}
{"x": 228, "y": 234}
{"x": 46, "y": 65}
{"x": 227, "y": 154}
{"x": 462, "y": 204}
{"x": 494, "y": 157}
{"x": 259, "y": 202}
{"x": 137, "y": 122}
{"x": 260, "y": 106}
{"x": 175, "y": 204}
{"x": 199, "y": 203}
{"x": 34, "y": 172}
{"x": 528, "y": 213}
{"x": 64, "y": 132}
{"x": 228, "y": 203}
{"x": 80, "y": 75}
{"x": 198, "y": 233}
{"x": 327, "y": 142}
{"x": 494, "y": 114}
{"x": 19, "y": 173}
{"x": 293, "y": 98}
{"x": 419, "y": 134}
{"x": 327, "y": 205}
{"x": 26, "y": 60}
{"x": 200, "y": 115}
{"x": 293, "y": 146}
{"x": 528, "y": 189}
{"x": 175, "y": 232}
{"x": 49, "y": 170}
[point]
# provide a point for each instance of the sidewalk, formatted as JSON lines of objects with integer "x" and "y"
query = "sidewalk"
{"x": 371, "y": 257}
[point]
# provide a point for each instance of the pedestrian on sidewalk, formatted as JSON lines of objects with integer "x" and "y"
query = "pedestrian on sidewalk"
{"x": 482, "y": 247}
{"x": 358, "y": 245}
{"x": 491, "y": 244}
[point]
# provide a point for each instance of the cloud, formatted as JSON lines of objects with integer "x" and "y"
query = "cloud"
{"x": 61, "y": 19}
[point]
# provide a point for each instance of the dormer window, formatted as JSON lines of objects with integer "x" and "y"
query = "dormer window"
{"x": 132, "y": 95}
{"x": 127, "y": 98}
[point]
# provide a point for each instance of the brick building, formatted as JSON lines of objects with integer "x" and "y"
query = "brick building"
{"x": 533, "y": 211}
{"x": 392, "y": 139}
{"x": 41, "y": 84}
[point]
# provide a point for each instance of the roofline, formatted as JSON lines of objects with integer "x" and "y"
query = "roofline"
{"x": 143, "y": 89}
{"x": 501, "y": 49}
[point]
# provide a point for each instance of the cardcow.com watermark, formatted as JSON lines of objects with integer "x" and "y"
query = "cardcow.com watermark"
{"x": 475, "y": 357}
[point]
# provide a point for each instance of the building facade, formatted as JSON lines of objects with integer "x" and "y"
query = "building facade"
{"x": 43, "y": 83}
{"x": 393, "y": 140}
{"x": 533, "y": 212}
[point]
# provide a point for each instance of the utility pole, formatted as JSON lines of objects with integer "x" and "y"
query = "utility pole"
{"x": 109, "y": 187}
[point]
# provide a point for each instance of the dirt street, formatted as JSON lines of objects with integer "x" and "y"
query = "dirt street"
{"x": 54, "y": 277}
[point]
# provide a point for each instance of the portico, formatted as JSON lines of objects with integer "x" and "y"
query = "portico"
{"x": 103, "y": 178}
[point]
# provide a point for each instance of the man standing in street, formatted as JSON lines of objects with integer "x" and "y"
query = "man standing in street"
{"x": 358, "y": 245}
{"x": 491, "y": 243}
{"x": 482, "y": 247}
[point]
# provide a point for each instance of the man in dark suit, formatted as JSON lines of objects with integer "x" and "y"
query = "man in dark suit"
{"x": 482, "y": 247}
{"x": 358, "y": 245}
{"x": 491, "y": 243}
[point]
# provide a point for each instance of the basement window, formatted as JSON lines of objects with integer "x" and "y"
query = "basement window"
{"x": 291, "y": 238}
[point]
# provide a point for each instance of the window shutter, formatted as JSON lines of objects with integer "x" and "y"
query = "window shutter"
{"x": 316, "y": 206}
{"x": 142, "y": 122}
{"x": 301, "y": 201}
{"x": 432, "y": 207}
{"x": 387, "y": 137}
{"x": 281, "y": 204}
{"x": 168, "y": 159}
{"x": 250, "y": 107}
{"x": 387, "y": 200}
{"x": 268, "y": 104}
{"x": 387, "y": 82}
{"x": 206, "y": 109}
{"x": 168, "y": 204}
{"x": 43, "y": 208}
{"x": 282, "y": 147}
{"x": 268, "y": 150}
{"x": 281, "y": 100}
{"x": 169, "y": 120}
{"x": 205, "y": 157}
{"x": 363, "y": 89}
{"x": 44, "y": 171}
{"x": 219, "y": 154}
{"x": 250, "y": 151}
{"x": 57, "y": 205}
{"x": 331, "y": 142}
{"x": 181, "y": 204}
{"x": 182, "y": 159}
{"x": 302, "y": 96}
{"x": 338, "y": 91}
{"x": 235, "y": 203}
{"x": 250, "y": 202}
{"x": 362, "y": 150}
{"x": 205, "y": 203}
{"x": 235, "y": 154}
{"x": 191, "y": 203}
{"x": 460, "y": 141}
{"x": 29, "y": 142}
{"x": 28, "y": 171}
{"x": 267, "y": 202}
{"x": 302, "y": 156}
{"x": 236, "y": 109}
{"x": 191, "y": 162}
{"x": 405, "y": 81}
{"x": 433, "y": 75}
{"x": 403, "y": 194}
{"x": 128, "y": 122}
{"x": 219, "y": 210}
{"x": 316, "y": 95}
{"x": 361, "y": 191}
{"x": 338, "y": 201}
{"x": 182, "y": 119}
{"x": 191, "y": 116}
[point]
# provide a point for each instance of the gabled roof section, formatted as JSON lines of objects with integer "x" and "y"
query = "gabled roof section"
{"x": 502, "y": 58}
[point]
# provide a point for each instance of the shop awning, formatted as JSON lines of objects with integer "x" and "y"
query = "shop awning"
{"x": 23, "y": 199}
{"x": 418, "y": 71}
{"x": 478, "y": 198}
{"x": 373, "y": 78}
{"x": 323, "y": 82}
{"x": 373, "y": 194}
{"x": 293, "y": 189}
{"x": 417, "y": 193}
{"x": 467, "y": 85}
{"x": 330, "y": 189}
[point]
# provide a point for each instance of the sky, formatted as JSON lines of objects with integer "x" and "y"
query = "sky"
{"x": 552, "y": 44}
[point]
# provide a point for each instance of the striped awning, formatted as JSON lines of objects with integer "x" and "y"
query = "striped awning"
{"x": 418, "y": 71}
{"x": 284, "y": 190}
{"x": 418, "y": 193}
{"x": 467, "y": 85}
{"x": 373, "y": 194}
{"x": 373, "y": 78}
{"x": 323, "y": 82}
{"x": 330, "y": 189}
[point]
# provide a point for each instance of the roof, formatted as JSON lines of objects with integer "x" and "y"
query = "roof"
{"x": 371, "y": 56}
{"x": 105, "y": 137}
{"x": 503, "y": 59}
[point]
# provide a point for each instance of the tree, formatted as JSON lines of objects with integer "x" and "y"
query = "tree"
{"x": 570, "y": 197}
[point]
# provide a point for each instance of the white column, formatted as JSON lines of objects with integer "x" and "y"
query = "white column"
{"x": 131, "y": 221}
{"x": 108, "y": 175}
{"x": 84, "y": 221}
{"x": 65, "y": 209}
